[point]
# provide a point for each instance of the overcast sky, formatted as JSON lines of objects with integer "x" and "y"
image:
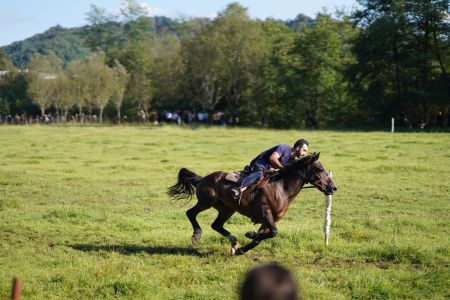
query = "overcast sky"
{"x": 20, "y": 19}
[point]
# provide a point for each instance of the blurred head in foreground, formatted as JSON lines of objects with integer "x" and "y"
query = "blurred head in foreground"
{"x": 269, "y": 282}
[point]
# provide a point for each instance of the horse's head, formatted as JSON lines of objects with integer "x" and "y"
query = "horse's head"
{"x": 315, "y": 174}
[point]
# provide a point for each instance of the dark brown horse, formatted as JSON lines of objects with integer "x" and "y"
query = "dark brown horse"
{"x": 265, "y": 203}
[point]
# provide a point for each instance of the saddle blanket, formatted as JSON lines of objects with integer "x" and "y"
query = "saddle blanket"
{"x": 235, "y": 176}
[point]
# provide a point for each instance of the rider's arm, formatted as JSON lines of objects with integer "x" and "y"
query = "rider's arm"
{"x": 274, "y": 160}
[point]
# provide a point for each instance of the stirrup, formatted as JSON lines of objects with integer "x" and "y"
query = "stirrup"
{"x": 237, "y": 195}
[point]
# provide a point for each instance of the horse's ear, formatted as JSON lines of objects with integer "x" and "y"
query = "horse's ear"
{"x": 315, "y": 156}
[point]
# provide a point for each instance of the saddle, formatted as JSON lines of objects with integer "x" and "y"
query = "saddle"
{"x": 237, "y": 177}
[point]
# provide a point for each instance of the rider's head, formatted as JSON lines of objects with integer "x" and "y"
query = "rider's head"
{"x": 300, "y": 147}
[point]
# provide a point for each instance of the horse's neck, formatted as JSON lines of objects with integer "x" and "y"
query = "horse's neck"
{"x": 292, "y": 185}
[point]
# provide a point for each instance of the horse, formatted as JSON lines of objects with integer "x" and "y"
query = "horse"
{"x": 265, "y": 203}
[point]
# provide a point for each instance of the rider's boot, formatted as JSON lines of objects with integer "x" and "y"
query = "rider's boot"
{"x": 237, "y": 193}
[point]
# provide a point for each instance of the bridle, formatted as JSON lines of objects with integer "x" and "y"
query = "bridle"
{"x": 309, "y": 181}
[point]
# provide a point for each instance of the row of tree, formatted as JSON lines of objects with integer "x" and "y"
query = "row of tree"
{"x": 387, "y": 59}
{"x": 90, "y": 83}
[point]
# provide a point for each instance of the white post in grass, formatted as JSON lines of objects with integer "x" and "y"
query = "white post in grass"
{"x": 326, "y": 226}
{"x": 392, "y": 125}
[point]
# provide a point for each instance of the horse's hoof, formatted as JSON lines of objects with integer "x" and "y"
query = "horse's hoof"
{"x": 236, "y": 251}
{"x": 250, "y": 234}
{"x": 234, "y": 247}
{"x": 239, "y": 252}
{"x": 196, "y": 237}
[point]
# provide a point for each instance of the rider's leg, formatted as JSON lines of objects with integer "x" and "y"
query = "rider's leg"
{"x": 247, "y": 181}
{"x": 251, "y": 178}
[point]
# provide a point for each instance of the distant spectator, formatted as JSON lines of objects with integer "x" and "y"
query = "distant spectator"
{"x": 440, "y": 120}
{"x": 174, "y": 117}
{"x": 403, "y": 120}
{"x": 200, "y": 117}
{"x": 203, "y": 117}
{"x": 221, "y": 118}
{"x": 422, "y": 124}
{"x": 269, "y": 282}
{"x": 154, "y": 118}
{"x": 142, "y": 117}
{"x": 168, "y": 116}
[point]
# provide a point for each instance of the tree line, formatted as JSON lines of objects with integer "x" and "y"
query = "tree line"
{"x": 385, "y": 59}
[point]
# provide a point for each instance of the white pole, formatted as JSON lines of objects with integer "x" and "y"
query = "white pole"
{"x": 392, "y": 125}
{"x": 326, "y": 226}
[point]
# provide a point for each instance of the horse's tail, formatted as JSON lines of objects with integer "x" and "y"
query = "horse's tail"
{"x": 185, "y": 187}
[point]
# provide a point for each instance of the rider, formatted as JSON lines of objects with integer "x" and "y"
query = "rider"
{"x": 273, "y": 158}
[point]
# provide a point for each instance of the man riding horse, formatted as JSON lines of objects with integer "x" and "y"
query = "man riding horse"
{"x": 273, "y": 158}
{"x": 264, "y": 205}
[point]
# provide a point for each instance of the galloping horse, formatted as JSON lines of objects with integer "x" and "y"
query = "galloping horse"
{"x": 266, "y": 203}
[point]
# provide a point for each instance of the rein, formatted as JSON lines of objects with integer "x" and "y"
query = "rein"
{"x": 308, "y": 187}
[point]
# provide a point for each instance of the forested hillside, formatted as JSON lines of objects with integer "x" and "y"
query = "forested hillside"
{"x": 72, "y": 43}
{"x": 68, "y": 44}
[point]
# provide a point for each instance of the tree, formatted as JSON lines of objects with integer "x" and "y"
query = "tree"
{"x": 104, "y": 30}
{"x": 4, "y": 108}
{"x": 402, "y": 58}
{"x": 42, "y": 75}
{"x": 168, "y": 71}
{"x": 222, "y": 57}
{"x": 200, "y": 57}
{"x": 240, "y": 45}
{"x": 430, "y": 24}
{"x": 137, "y": 26}
{"x": 14, "y": 90}
{"x": 101, "y": 81}
{"x": 62, "y": 97}
{"x": 79, "y": 83}
{"x": 317, "y": 82}
{"x": 120, "y": 80}
{"x": 131, "y": 10}
{"x": 5, "y": 79}
{"x": 271, "y": 103}
{"x": 138, "y": 59}
{"x": 5, "y": 63}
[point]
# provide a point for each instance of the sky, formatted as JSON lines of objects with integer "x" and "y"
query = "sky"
{"x": 21, "y": 19}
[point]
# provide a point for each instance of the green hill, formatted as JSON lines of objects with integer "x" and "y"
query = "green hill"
{"x": 70, "y": 43}
{"x": 67, "y": 43}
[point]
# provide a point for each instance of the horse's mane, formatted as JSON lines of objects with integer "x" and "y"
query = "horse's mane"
{"x": 290, "y": 167}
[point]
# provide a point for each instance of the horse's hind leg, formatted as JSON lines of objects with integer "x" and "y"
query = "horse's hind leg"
{"x": 192, "y": 214}
{"x": 224, "y": 214}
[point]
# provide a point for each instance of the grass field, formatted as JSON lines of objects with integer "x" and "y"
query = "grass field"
{"x": 84, "y": 214}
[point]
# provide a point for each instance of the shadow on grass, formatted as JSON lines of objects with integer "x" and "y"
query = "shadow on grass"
{"x": 132, "y": 249}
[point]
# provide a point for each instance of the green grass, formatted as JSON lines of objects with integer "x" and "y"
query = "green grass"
{"x": 84, "y": 214}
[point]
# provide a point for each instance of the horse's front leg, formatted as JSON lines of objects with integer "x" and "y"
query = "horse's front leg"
{"x": 267, "y": 230}
{"x": 262, "y": 234}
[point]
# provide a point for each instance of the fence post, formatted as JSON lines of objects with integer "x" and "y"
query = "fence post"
{"x": 327, "y": 224}
{"x": 392, "y": 125}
